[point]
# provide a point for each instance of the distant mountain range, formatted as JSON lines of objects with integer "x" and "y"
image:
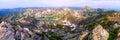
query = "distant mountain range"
{"x": 16, "y": 10}
{"x": 7, "y": 11}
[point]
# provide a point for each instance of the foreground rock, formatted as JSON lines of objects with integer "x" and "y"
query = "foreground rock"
{"x": 6, "y": 33}
{"x": 84, "y": 34}
{"x": 99, "y": 33}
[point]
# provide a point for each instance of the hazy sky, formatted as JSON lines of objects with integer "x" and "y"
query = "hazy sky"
{"x": 60, "y": 3}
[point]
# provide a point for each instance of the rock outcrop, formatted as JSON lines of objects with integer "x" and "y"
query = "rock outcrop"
{"x": 6, "y": 33}
{"x": 99, "y": 33}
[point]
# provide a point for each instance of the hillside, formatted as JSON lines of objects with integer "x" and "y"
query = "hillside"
{"x": 61, "y": 24}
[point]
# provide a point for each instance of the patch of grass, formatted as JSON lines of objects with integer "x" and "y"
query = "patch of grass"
{"x": 53, "y": 36}
{"x": 52, "y": 17}
{"x": 113, "y": 35}
{"x": 92, "y": 25}
{"x": 104, "y": 20}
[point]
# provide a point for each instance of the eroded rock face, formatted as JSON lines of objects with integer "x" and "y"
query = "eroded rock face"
{"x": 84, "y": 34}
{"x": 6, "y": 33}
{"x": 99, "y": 33}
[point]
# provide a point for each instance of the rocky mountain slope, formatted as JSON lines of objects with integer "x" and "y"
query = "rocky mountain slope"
{"x": 61, "y": 24}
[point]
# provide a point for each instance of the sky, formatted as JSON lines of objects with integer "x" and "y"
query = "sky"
{"x": 115, "y": 4}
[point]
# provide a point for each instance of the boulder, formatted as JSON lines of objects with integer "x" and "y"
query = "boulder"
{"x": 99, "y": 33}
{"x": 6, "y": 33}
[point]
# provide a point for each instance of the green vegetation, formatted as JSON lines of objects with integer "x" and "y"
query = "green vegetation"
{"x": 53, "y": 36}
{"x": 92, "y": 25}
{"x": 52, "y": 17}
{"x": 104, "y": 20}
{"x": 113, "y": 34}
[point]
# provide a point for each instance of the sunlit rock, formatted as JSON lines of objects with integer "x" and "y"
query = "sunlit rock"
{"x": 99, "y": 33}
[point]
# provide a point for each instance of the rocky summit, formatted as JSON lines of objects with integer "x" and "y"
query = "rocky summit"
{"x": 61, "y": 24}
